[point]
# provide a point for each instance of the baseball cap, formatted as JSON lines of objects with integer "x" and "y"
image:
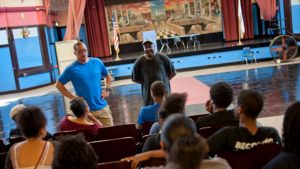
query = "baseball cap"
{"x": 16, "y": 109}
{"x": 147, "y": 41}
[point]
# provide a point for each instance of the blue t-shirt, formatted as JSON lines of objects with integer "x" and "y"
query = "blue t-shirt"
{"x": 148, "y": 114}
{"x": 86, "y": 79}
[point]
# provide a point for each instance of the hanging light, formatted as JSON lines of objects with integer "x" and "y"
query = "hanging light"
{"x": 25, "y": 32}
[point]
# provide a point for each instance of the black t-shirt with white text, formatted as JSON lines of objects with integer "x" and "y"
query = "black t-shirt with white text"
{"x": 240, "y": 138}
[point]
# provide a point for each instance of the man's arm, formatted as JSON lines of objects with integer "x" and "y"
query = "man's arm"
{"x": 136, "y": 73}
{"x": 105, "y": 93}
{"x": 108, "y": 82}
{"x": 144, "y": 156}
{"x": 136, "y": 81}
{"x": 63, "y": 90}
{"x": 170, "y": 68}
{"x": 94, "y": 119}
{"x": 218, "y": 141}
{"x": 172, "y": 75}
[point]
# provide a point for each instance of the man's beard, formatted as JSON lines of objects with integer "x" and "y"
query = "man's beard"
{"x": 149, "y": 55}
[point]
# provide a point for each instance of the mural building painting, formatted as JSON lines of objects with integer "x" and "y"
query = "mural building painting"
{"x": 169, "y": 18}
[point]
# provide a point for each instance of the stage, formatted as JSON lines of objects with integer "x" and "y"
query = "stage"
{"x": 195, "y": 57}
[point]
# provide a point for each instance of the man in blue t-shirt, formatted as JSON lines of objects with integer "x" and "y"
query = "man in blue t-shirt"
{"x": 149, "y": 113}
{"x": 86, "y": 74}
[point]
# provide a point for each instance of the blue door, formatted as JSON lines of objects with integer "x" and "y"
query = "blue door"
{"x": 7, "y": 77}
{"x": 32, "y": 62}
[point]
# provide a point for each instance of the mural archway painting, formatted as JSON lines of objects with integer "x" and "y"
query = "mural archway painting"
{"x": 167, "y": 17}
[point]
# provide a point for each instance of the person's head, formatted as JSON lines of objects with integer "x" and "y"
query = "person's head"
{"x": 178, "y": 129}
{"x": 148, "y": 48}
{"x": 186, "y": 147}
{"x": 80, "y": 50}
{"x": 79, "y": 107}
{"x": 291, "y": 129}
{"x": 221, "y": 94}
{"x": 15, "y": 111}
{"x": 74, "y": 153}
{"x": 249, "y": 104}
{"x": 174, "y": 103}
{"x": 32, "y": 122}
{"x": 157, "y": 89}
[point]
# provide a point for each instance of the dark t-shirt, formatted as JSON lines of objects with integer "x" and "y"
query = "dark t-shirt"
{"x": 147, "y": 71}
{"x": 240, "y": 138}
{"x": 16, "y": 132}
{"x": 284, "y": 160}
{"x": 152, "y": 143}
{"x": 223, "y": 118}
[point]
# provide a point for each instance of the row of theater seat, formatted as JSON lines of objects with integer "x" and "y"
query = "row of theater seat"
{"x": 118, "y": 131}
{"x": 114, "y": 143}
{"x": 111, "y": 151}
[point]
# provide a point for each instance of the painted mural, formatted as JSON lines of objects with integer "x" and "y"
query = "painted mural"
{"x": 168, "y": 18}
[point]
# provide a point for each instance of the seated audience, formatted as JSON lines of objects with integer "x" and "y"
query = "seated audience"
{"x": 34, "y": 152}
{"x": 289, "y": 158}
{"x": 182, "y": 146}
{"x": 83, "y": 120}
{"x": 180, "y": 143}
{"x": 174, "y": 103}
{"x": 247, "y": 134}
{"x": 16, "y": 132}
{"x": 149, "y": 113}
{"x": 221, "y": 96}
{"x": 74, "y": 153}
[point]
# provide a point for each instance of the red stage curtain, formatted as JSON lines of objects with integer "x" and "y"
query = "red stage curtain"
{"x": 75, "y": 15}
{"x": 230, "y": 19}
{"x": 96, "y": 28}
{"x": 267, "y": 9}
{"x": 248, "y": 19}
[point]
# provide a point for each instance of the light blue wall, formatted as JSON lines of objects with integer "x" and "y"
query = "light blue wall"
{"x": 7, "y": 78}
{"x": 281, "y": 17}
{"x": 82, "y": 34}
{"x": 51, "y": 37}
{"x": 296, "y": 18}
{"x": 255, "y": 19}
{"x": 198, "y": 61}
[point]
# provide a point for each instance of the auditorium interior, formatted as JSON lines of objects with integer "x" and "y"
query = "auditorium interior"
{"x": 205, "y": 40}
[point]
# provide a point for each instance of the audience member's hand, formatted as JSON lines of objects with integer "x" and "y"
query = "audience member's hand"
{"x": 94, "y": 119}
{"x": 135, "y": 160}
{"x": 104, "y": 94}
{"x": 209, "y": 106}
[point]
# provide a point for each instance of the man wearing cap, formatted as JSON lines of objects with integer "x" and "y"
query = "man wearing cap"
{"x": 151, "y": 67}
{"x": 14, "y": 112}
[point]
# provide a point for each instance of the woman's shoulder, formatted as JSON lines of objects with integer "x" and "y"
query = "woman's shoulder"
{"x": 216, "y": 162}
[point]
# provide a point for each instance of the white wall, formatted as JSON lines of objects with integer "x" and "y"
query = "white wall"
{"x": 65, "y": 54}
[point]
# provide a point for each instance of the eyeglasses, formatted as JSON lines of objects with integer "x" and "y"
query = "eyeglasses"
{"x": 81, "y": 50}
